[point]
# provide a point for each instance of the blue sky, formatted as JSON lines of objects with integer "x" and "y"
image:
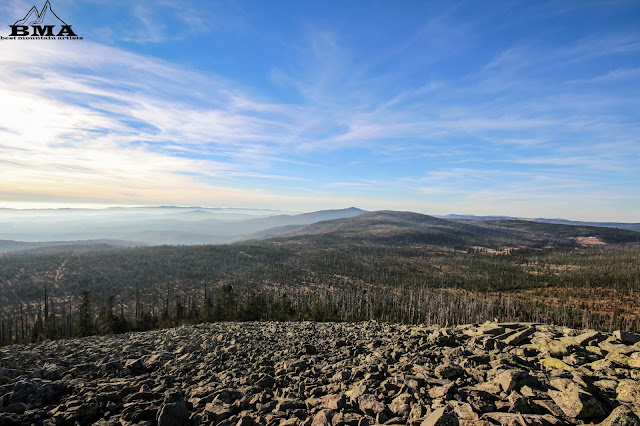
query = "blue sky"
{"x": 528, "y": 109}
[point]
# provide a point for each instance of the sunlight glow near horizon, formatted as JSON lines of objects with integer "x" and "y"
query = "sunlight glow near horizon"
{"x": 46, "y": 206}
{"x": 528, "y": 110}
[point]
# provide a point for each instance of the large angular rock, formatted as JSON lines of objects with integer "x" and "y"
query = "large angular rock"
{"x": 27, "y": 392}
{"x": 155, "y": 361}
{"x": 323, "y": 418}
{"x": 370, "y": 404}
{"x": 441, "y": 391}
{"x": 510, "y": 379}
{"x": 621, "y": 416}
{"x": 135, "y": 366}
{"x": 555, "y": 363}
{"x": 401, "y": 405}
{"x": 266, "y": 381}
{"x": 219, "y": 411}
{"x": 173, "y": 411}
{"x": 611, "y": 346}
{"x": 356, "y": 392}
{"x": 88, "y": 411}
{"x": 490, "y": 328}
{"x": 52, "y": 393}
{"x": 556, "y": 348}
{"x": 296, "y": 365}
{"x": 463, "y": 411}
{"x": 10, "y": 419}
{"x": 628, "y": 390}
{"x": 634, "y": 360}
{"x": 588, "y": 336}
{"x": 519, "y": 337}
{"x": 335, "y": 401}
{"x": 347, "y": 419}
{"x": 449, "y": 371}
{"x": 290, "y": 404}
{"x": 626, "y": 337}
{"x": 440, "y": 417}
{"x": 511, "y": 419}
{"x": 9, "y": 373}
{"x": 575, "y": 401}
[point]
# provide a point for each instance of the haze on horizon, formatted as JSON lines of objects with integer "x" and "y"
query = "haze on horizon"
{"x": 493, "y": 108}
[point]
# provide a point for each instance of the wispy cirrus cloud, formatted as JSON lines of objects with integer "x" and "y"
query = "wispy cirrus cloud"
{"x": 92, "y": 117}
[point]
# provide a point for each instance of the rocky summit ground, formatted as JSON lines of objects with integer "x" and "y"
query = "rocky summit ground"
{"x": 327, "y": 374}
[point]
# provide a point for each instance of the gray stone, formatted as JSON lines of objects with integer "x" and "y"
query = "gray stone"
{"x": 401, "y": 405}
{"x": 323, "y": 418}
{"x": 335, "y": 401}
{"x": 621, "y": 416}
{"x": 626, "y": 337}
{"x": 27, "y": 392}
{"x": 628, "y": 390}
{"x": 440, "y": 417}
{"x": 449, "y": 371}
{"x": 173, "y": 413}
{"x": 346, "y": 419}
{"x": 266, "y": 381}
{"x": 10, "y": 419}
{"x": 510, "y": 379}
{"x": 519, "y": 337}
{"x": 370, "y": 404}
{"x": 219, "y": 411}
{"x": 290, "y": 404}
{"x": 575, "y": 401}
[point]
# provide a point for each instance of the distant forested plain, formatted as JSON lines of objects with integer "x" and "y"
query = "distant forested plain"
{"x": 387, "y": 266}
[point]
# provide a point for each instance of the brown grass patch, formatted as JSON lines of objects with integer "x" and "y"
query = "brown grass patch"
{"x": 590, "y": 241}
{"x": 599, "y": 300}
{"x": 502, "y": 250}
{"x": 554, "y": 269}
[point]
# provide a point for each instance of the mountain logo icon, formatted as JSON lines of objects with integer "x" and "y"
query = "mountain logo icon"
{"x": 41, "y": 24}
{"x": 45, "y": 17}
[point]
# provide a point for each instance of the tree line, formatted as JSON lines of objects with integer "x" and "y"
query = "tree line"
{"x": 406, "y": 304}
{"x": 68, "y": 295}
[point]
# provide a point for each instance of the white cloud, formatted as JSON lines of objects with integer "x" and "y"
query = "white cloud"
{"x": 98, "y": 121}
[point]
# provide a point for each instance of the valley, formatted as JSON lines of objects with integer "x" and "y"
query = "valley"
{"x": 399, "y": 267}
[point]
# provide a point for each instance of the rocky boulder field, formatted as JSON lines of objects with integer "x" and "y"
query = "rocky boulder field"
{"x": 327, "y": 374}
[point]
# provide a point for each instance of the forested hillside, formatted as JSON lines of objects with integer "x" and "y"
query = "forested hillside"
{"x": 391, "y": 266}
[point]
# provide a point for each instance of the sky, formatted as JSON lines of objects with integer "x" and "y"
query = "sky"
{"x": 528, "y": 109}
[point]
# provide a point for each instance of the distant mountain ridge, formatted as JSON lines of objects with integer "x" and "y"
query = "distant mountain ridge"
{"x": 168, "y": 226}
{"x": 309, "y": 218}
{"x": 628, "y": 226}
{"x": 205, "y": 225}
{"x": 9, "y": 246}
{"x": 408, "y": 229}
{"x": 473, "y": 217}
{"x": 621, "y": 225}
